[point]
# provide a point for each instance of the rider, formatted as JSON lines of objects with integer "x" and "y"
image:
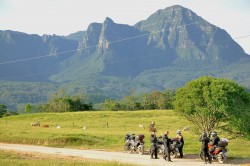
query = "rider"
{"x": 166, "y": 142}
{"x": 132, "y": 136}
{"x": 139, "y": 139}
{"x": 214, "y": 141}
{"x": 153, "y": 140}
{"x": 181, "y": 139}
{"x": 204, "y": 147}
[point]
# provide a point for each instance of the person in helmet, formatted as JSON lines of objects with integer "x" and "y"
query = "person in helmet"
{"x": 132, "y": 136}
{"x": 204, "y": 147}
{"x": 214, "y": 141}
{"x": 215, "y": 138}
{"x": 166, "y": 142}
{"x": 181, "y": 140}
{"x": 153, "y": 148}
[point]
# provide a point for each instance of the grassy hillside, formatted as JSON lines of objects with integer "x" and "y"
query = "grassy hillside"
{"x": 18, "y": 129}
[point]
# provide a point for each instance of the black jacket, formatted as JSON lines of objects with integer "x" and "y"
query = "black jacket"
{"x": 153, "y": 139}
{"x": 215, "y": 140}
{"x": 204, "y": 142}
{"x": 166, "y": 141}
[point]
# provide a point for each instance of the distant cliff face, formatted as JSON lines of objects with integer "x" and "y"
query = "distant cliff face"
{"x": 192, "y": 38}
{"x": 174, "y": 36}
{"x": 29, "y": 54}
{"x": 172, "y": 46}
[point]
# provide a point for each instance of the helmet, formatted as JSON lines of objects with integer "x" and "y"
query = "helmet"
{"x": 204, "y": 134}
{"x": 178, "y": 132}
{"x": 214, "y": 134}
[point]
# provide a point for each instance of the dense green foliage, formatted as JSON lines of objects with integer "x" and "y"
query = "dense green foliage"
{"x": 28, "y": 108}
{"x": 61, "y": 102}
{"x": 3, "y": 110}
{"x": 147, "y": 101}
{"x": 20, "y": 93}
{"x": 208, "y": 101}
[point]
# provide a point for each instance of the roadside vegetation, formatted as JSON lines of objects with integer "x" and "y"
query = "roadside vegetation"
{"x": 18, "y": 129}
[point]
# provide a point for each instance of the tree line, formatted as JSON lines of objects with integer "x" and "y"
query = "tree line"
{"x": 148, "y": 101}
{"x": 207, "y": 102}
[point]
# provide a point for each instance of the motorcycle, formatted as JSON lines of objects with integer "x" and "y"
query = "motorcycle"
{"x": 219, "y": 153}
{"x": 160, "y": 146}
{"x": 134, "y": 145}
{"x": 174, "y": 147}
{"x": 174, "y": 144}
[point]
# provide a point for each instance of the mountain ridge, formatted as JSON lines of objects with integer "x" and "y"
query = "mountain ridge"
{"x": 171, "y": 47}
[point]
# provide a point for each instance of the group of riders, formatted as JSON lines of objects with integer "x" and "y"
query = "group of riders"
{"x": 167, "y": 144}
{"x": 209, "y": 145}
{"x": 213, "y": 147}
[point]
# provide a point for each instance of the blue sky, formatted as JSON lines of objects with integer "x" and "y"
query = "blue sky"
{"x": 63, "y": 17}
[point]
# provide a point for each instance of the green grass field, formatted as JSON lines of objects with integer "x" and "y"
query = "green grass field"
{"x": 18, "y": 129}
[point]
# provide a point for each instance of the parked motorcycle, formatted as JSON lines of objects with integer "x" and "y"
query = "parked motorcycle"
{"x": 160, "y": 146}
{"x": 173, "y": 147}
{"x": 133, "y": 144}
{"x": 220, "y": 152}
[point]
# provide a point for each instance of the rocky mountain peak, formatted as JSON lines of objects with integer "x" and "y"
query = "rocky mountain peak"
{"x": 108, "y": 21}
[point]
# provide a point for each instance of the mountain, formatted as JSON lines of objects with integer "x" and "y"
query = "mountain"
{"x": 172, "y": 36}
{"x": 77, "y": 36}
{"x": 189, "y": 37}
{"x": 171, "y": 47}
{"x": 22, "y": 54}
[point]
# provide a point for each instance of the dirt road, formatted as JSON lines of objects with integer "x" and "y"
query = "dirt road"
{"x": 189, "y": 160}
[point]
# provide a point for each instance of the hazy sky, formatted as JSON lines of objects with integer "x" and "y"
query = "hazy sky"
{"x": 63, "y": 17}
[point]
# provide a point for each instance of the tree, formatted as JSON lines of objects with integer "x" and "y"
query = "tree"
{"x": 77, "y": 104}
{"x": 208, "y": 101}
{"x": 28, "y": 108}
{"x": 3, "y": 110}
{"x": 61, "y": 102}
{"x": 110, "y": 104}
{"x": 164, "y": 99}
{"x": 149, "y": 100}
{"x": 130, "y": 102}
{"x": 157, "y": 100}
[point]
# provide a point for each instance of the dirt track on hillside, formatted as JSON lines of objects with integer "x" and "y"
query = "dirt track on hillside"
{"x": 188, "y": 160}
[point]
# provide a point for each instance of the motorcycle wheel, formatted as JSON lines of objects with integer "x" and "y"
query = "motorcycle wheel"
{"x": 173, "y": 154}
{"x": 221, "y": 158}
{"x": 141, "y": 150}
{"x": 128, "y": 148}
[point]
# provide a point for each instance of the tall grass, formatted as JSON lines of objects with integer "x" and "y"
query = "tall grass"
{"x": 18, "y": 129}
